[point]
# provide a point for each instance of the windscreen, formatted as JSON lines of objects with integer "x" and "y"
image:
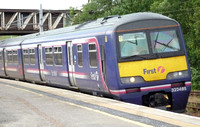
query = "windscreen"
{"x": 147, "y": 43}
{"x": 164, "y": 41}
{"x": 133, "y": 44}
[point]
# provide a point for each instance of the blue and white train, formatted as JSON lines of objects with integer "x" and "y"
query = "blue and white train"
{"x": 138, "y": 58}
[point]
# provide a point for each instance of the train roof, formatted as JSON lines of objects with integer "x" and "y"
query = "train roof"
{"x": 111, "y": 21}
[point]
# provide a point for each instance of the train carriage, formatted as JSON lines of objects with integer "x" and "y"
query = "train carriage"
{"x": 11, "y": 60}
{"x": 138, "y": 58}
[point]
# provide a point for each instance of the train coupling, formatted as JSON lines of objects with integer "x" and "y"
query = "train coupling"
{"x": 158, "y": 100}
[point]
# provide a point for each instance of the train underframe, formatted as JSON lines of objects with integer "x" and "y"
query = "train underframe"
{"x": 167, "y": 99}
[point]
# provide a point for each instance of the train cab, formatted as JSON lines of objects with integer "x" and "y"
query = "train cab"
{"x": 152, "y": 61}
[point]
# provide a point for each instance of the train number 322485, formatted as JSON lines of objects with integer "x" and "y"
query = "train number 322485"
{"x": 179, "y": 89}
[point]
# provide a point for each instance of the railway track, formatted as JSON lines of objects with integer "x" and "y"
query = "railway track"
{"x": 193, "y": 106}
{"x": 195, "y": 93}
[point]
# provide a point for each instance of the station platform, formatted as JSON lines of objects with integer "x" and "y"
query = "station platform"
{"x": 26, "y": 104}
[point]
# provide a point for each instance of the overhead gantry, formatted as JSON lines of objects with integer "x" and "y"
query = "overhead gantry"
{"x": 20, "y": 21}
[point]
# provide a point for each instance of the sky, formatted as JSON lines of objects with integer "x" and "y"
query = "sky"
{"x": 46, "y": 4}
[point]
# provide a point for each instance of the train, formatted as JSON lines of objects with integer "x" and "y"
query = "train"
{"x": 138, "y": 58}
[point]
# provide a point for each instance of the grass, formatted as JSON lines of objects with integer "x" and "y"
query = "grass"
{"x": 7, "y": 36}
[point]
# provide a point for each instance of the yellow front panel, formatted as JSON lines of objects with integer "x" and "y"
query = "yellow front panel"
{"x": 150, "y": 70}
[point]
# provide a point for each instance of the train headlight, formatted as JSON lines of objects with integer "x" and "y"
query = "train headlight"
{"x": 131, "y": 80}
{"x": 178, "y": 74}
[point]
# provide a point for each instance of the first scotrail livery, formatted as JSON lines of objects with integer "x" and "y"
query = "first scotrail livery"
{"x": 137, "y": 58}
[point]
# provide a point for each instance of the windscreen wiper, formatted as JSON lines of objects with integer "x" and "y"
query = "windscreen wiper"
{"x": 132, "y": 42}
{"x": 156, "y": 41}
{"x": 166, "y": 45}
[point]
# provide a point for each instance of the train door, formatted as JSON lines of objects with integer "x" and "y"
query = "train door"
{"x": 71, "y": 63}
{"x": 86, "y": 64}
{"x": 41, "y": 62}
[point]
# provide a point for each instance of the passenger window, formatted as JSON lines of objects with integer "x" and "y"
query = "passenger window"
{"x": 25, "y": 55}
{"x": 80, "y": 55}
{"x": 12, "y": 57}
{"x": 49, "y": 56}
{"x": 9, "y": 54}
{"x": 0, "y": 56}
{"x": 32, "y": 56}
{"x": 58, "y": 55}
{"x": 15, "y": 57}
{"x": 92, "y": 55}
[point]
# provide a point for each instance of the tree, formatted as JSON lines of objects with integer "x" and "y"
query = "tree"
{"x": 186, "y": 12}
{"x": 103, "y": 8}
{"x": 98, "y": 7}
